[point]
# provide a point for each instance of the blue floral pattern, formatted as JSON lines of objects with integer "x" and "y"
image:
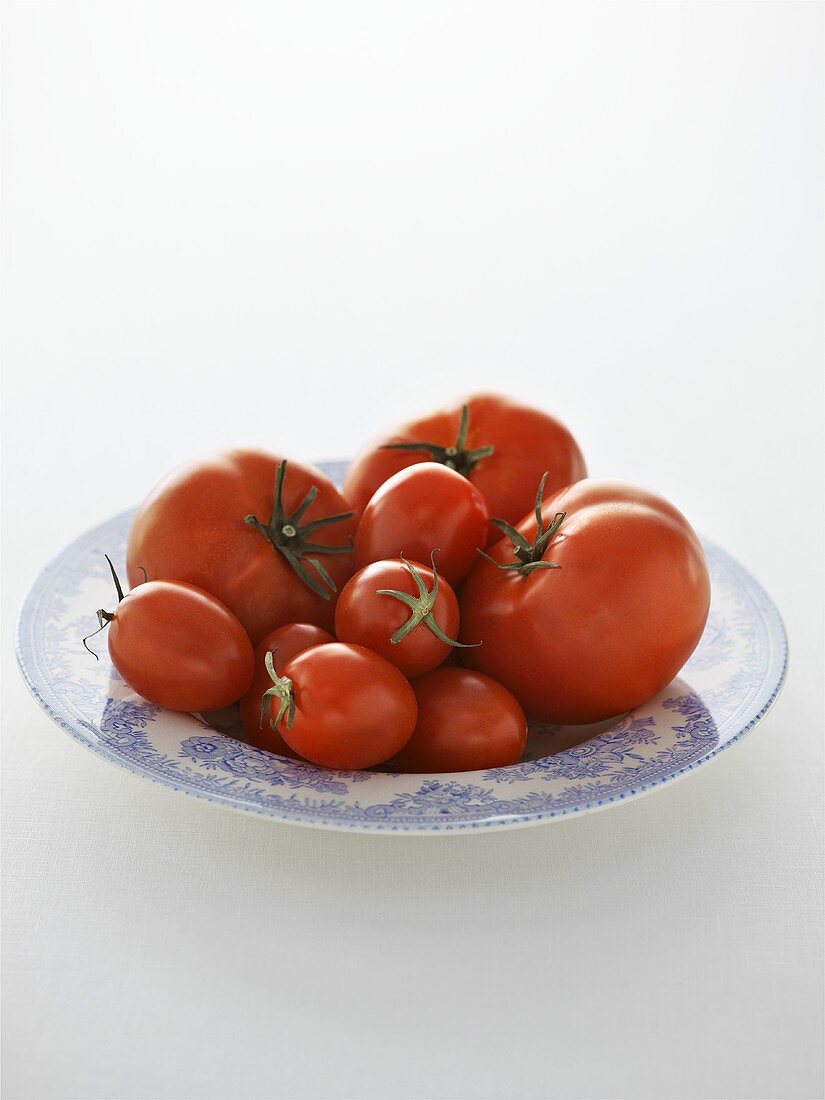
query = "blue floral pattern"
{"x": 726, "y": 687}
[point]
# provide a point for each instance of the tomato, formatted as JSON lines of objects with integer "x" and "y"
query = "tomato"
{"x": 425, "y": 507}
{"x": 271, "y": 558}
{"x": 284, "y": 643}
{"x": 501, "y": 446}
{"x": 402, "y": 610}
{"x": 178, "y": 646}
{"x": 342, "y": 706}
{"x": 592, "y": 605}
{"x": 466, "y": 722}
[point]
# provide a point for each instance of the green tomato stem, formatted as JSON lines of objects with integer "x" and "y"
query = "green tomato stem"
{"x": 456, "y": 457}
{"x": 282, "y": 691}
{"x": 105, "y": 617}
{"x": 528, "y": 556}
{"x": 421, "y": 607}
{"x": 289, "y": 537}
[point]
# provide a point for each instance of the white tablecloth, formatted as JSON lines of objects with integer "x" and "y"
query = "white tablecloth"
{"x": 288, "y": 226}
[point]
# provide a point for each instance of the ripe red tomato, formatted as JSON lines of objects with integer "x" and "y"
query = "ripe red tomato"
{"x": 501, "y": 446}
{"x": 595, "y": 610}
{"x": 342, "y": 706}
{"x": 213, "y": 523}
{"x": 422, "y": 508}
{"x": 466, "y": 722}
{"x": 178, "y": 646}
{"x": 284, "y": 643}
{"x": 402, "y": 610}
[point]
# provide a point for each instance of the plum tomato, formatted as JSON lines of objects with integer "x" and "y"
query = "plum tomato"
{"x": 178, "y": 646}
{"x": 503, "y": 447}
{"x": 271, "y": 540}
{"x": 591, "y": 605}
{"x": 284, "y": 643}
{"x": 402, "y": 610}
{"x": 466, "y": 722}
{"x": 423, "y": 507}
{"x": 341, "y": 706}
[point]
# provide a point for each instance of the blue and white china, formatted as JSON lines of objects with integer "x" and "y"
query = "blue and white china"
{"x": 727, "y": 686}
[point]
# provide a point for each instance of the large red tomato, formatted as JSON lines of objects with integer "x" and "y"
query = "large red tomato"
{"x": 283, "y": 644}
{"x": 466, "y": 722}
{"x": 342, "y": 706}
{"x": 591, "y": 609}
{"x": 178, "y": 646}
{"x": 271, "y": 540}
{"x": 501, "y": 446}
{"x": 424, "y": 508}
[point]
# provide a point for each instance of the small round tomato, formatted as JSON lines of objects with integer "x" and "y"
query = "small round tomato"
{"x": 503, "y": 447}
{"x": 402, "y": 610}
{"x": 342, "y": 706}
{"x": 178, "y": 646}
{"x": 425, "y": 506}
{"x": 284, "y": 643}
{"x": 591, "y": 605}
{"x": 466, "y": 722}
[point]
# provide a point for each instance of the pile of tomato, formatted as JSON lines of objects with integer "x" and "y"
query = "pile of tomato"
{"x": 468, "y": 577}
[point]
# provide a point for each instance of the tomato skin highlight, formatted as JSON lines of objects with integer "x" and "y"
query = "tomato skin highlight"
{"x": 364, "y": 617}
{"x": 612, "y": 625}
{"x": 179, "y": 647}
{"x": 284, "y": 643}
{"x": 466, "y": 722}
{"x": 353, "y": 709}
{"x": 527, "y": 442}
{"x": 192, "y": 527}
{"x": 424, "y": 508}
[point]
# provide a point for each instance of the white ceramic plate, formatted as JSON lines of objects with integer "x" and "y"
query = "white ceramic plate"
{"x": 727, "y": 686}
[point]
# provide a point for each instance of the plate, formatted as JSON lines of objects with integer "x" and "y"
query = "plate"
{"x": 728, "y": 685}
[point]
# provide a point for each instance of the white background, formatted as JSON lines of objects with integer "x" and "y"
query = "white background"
{"x": 291, "y": 225}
